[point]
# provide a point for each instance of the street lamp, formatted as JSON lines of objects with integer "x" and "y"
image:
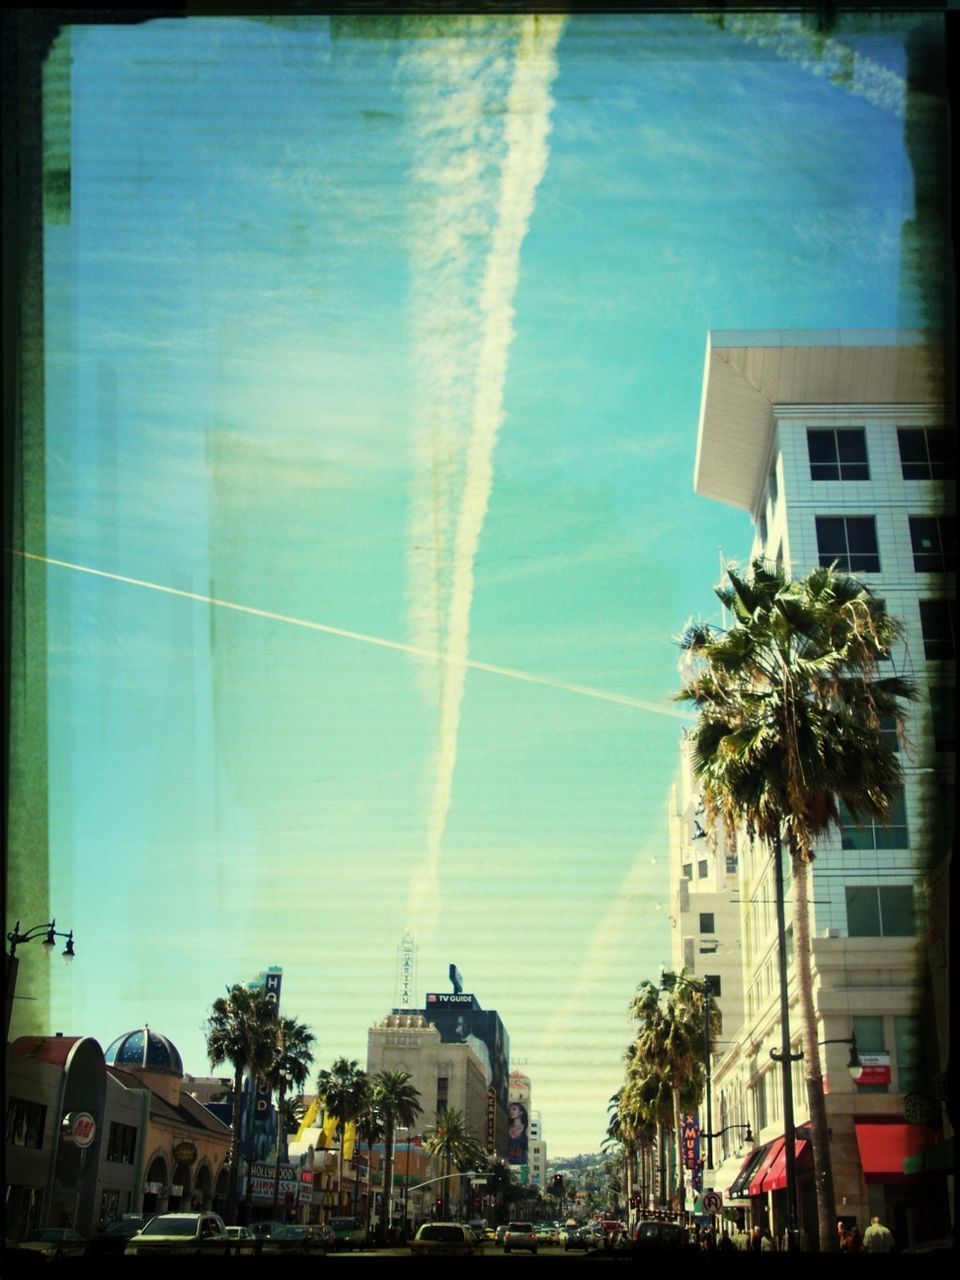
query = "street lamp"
{"x": 854, "y": 1065}
{"x": 49, "y": 933}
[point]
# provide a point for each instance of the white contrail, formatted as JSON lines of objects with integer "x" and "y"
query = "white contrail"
{"x": 527, "y": 124}
{"x": 430, "y": 655}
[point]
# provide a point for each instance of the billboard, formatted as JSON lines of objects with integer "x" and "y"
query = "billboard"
{"x": 460, "y": 1020}
{"x": 518, "y": 1131}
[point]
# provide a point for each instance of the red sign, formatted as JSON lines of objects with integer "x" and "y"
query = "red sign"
{"x": 83, "y": 1128}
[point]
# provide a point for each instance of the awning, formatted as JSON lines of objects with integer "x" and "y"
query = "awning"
{"x": 756, "y": 1187}
{"x": 884, "y": 1148}
{"x": 737, "y": 1189}
{"x": 775, "y": 1178}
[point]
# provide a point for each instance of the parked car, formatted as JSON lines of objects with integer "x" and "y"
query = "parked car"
{"x": 348, "y": 1232}
{"x": 520, "y": 1235}
{"x": 115, "y": 1235}
{"x": 263, "y": 1231}
{"x": 299, "y": 1240}
{"x": 243, "y": 1243}
{"x": 445, "y": 1238}
{"x": 173, "y": 1233}
{"x": 54, "y": 1242}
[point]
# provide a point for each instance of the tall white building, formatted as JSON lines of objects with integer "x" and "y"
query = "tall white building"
{"x": 838, "y": 446}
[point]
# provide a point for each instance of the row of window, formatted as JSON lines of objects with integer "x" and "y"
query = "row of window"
{"x": 926, "y": 453}
{"x": 851, "y": 541}
{"x": 880, "y": 911}
{"x": 25, "y": 1123}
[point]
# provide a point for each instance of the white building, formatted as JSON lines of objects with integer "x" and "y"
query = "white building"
{"x": 837, "y": 445}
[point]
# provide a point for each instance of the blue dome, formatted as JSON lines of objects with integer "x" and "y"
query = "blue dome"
{"x": 145, "y": 1049}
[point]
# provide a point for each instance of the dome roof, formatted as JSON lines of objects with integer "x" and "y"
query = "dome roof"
{"x": 145, "y": 1049}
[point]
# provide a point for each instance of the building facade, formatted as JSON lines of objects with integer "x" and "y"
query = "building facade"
{"x": 837, "y": 445}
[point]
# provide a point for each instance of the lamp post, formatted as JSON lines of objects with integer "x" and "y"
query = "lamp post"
{"x": 49, "y": 933}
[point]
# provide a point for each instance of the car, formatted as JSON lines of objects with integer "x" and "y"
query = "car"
{"x": 114, "y": 1236}
{"x": 581, "y": 1238}
{"x": 243, "y": 1242}
{"x": 655, "y": 1233}
{"x": 500, "y": 1232}
{"x": 263, "y": 1231}
{"x": 54, "y": 1242}
{"x": 546, "y": 1233}
{"x": 445, "y": 1238}
{"x": 520, "y": 1235}
{"x": 348, "y": 1232}
{"x": 300, "y": 1239}
{"x": 204, "y": 1234}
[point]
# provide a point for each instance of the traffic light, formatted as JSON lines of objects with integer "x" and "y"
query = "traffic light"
{"x": 438, "y": 1206}
{"x": 558, "y": 1184}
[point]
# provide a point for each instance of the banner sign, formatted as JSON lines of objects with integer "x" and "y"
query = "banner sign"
{"x": 690, "y": 1141}
{"x": 448, "y": 997}
{"x": 261, "y": 1181}
{"x": 876, "y": 1068}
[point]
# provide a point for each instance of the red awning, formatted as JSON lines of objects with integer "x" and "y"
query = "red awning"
{"x": 776, "y": 1176}
{"x": 884, "y": 1147}
{"x": 757, "y": 1187}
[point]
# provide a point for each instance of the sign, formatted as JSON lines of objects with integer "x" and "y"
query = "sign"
{"x": 491, "y": 1119}
{"x": 690, "y": 1141}
{"x": 712, "y": 1202}
{"x": 184, "y": 1153}
{"x": 261, "y": 1181}
{"x": 80, "y": 1128}
{"x": 876, "y": 1068}
{"x": 447, "y": 997}
{"x": 455, "y": 980}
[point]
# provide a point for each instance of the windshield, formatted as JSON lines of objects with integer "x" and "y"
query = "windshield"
{"x": 171, "y": 1227}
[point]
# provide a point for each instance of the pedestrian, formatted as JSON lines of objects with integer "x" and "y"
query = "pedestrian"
{"x": 756, "y": 1240}
{"x": 766, "y": 1241}
{"x": 877, "y": 1238}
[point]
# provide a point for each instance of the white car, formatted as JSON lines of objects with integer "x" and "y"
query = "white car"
{"x": 180, "y": 1233}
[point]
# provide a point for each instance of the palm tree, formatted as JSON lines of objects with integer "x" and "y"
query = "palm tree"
{"x": 397, "y": 1103}
{"x": 457, "y": 1147}
{"x": 668, "y": 1057}
{"x": 342, "y": 1088}
{"x": 791, "y": 712}
{"x": 241, "y": 1031}
{"x": 288, "y": 1069}
{"x": 369, "y": 1130}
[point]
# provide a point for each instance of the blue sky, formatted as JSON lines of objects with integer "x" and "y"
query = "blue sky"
{"x": 398, "y": 331}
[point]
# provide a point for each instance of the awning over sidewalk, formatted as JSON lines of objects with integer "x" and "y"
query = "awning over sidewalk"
{"x": 737, "y": 1189}
{"x": 756, "y": 1187}
{"x": 775, "y": 1179}
{"x": 885, "y": 1148}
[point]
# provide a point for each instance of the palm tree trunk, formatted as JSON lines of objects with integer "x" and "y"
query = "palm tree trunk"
{"x": 678, "y": 1150}
{"x": 276, "y": 1172}
{"x": 386, "y": 1203}
{"x": 235, "y": 1143}
{"x": 819, "y": 1131}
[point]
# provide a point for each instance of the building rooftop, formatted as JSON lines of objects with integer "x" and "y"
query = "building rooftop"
{"x": 748, "y": 372}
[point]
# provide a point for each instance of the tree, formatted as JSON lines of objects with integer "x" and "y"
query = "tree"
{"x": 791, "y": 724}
{"x": 342, "y": 1088}
{"x": 457, "y": 1147}
{"x": 288, "y": 1069}
{"x": 397, "y": 1103}
{"x": 241, "y": 1031}
{"x": 667, "y": 1062}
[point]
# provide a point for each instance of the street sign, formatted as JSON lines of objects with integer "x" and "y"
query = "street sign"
{"x": 712, "y": 1202}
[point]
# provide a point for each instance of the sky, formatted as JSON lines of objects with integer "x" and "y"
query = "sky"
{"x": 374, "y": 352}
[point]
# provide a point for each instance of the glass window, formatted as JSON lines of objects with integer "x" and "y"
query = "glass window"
{"x": 706, "y": 922}
{"x": 926, "y": 453}
{"x": 838, "y": 455}
{"x": 688, "y": 871}
{"x": 908, "y": 1038}
{"x": 25, "y": 1123}
{"x": 938, "y": 622}
{"x": 934, "y": 540}
{"x": 880, "y": 911}
{"x": 943, "y": 705}
{"x": 122, "y": 1143}
{"x": 889, "y": 733}
{"x": 891, "y": 834}
{"x": 869, "y": 1035}
{"x": 851, "y": 541}
{"x": 712, "y": 983}
{"x": 702, "y": 869}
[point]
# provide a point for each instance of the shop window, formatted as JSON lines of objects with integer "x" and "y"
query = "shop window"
{"x": 927, "y": 453}
{"x": 934, "y": 542}
{"x": 850, "y": 541}
{"x": 838, "y": 455}
{"x": 938, "y": 622}
{"x": 892, "y": 833}
{"x": 880, "y": 911}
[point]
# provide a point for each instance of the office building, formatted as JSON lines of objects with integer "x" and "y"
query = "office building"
{"x": 838, "y": 446}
